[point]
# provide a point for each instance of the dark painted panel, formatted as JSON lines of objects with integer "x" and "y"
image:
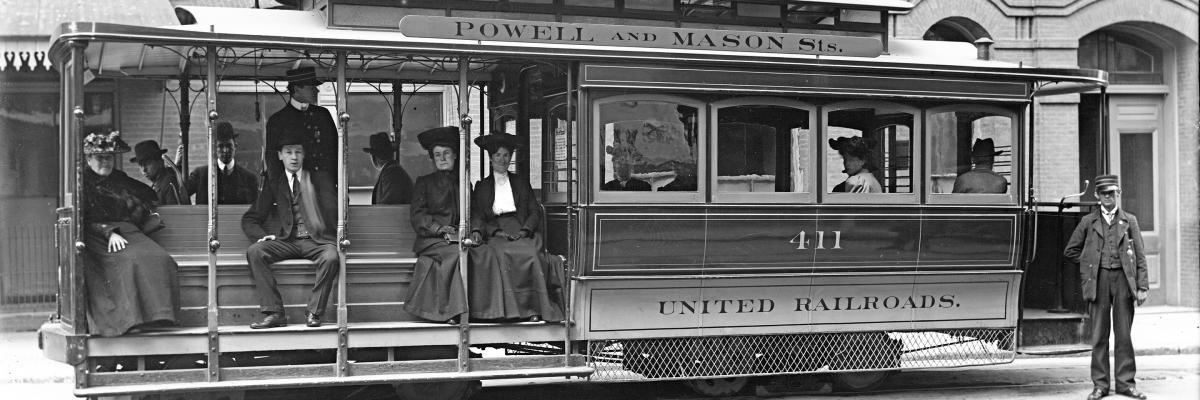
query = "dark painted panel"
{"x": 642, "y": 243}
{"x": 969, "y": 239}
{"x": 868, "y": 240}
{"x": 765, "y": 242}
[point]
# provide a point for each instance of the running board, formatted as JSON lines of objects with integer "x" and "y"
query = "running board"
{"x": 364, "y": 373}
{"x": 1054, "y": 350}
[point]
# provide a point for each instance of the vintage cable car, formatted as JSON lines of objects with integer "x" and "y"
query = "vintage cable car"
{"x": 795, "y": 207}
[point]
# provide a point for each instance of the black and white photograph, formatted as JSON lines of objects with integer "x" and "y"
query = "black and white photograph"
{"x": 599, "y": 199}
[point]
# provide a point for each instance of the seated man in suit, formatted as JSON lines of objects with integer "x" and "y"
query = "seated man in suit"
{"x": 981, "y": 178}
{"x": 305, "y": 204}
{"x": 624, "y": 179}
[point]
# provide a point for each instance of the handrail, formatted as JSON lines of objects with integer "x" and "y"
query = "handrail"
{"x": 212, "y": 317}
{"x": 343, "y": 355}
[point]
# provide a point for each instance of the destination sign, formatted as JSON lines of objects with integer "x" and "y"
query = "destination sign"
{"x": 637, "y": 36}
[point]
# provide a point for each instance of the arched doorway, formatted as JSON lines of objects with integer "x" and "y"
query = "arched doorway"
{"x": 956, "y": 29}
{"x": 1140, "y": 138}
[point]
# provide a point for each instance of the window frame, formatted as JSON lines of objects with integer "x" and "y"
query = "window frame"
{"x": 1009, "y": 198}
{"x": 601, "y": 196}
{"x": 763, "y": 197}
{"x": 917, "y": 146}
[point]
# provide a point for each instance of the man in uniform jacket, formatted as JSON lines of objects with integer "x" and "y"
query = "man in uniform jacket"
{"x": 235, "y": 183}
{"x": 1107, "y": 245}
{"x": 393, "y": 186}
{"x": 302, "y": 116}
{"x": 305, "y": 204}
{"x": 163, "y": 180}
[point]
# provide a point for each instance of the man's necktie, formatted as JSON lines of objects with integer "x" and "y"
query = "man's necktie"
{"x": 295, "y": 186}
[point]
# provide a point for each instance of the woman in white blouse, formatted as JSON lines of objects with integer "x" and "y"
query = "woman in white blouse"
{"x": 513, "y": 278}
{"x": 856, "y": 156}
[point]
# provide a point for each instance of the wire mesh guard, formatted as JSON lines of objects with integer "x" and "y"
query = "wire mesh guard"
{"x": 703, "y": 357}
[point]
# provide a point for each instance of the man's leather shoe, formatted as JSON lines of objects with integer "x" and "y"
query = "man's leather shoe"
{"x": 272, "y": 320}
{"x": 535, "y": 318}
{"x": 312, "y": 320}
{"x": 1097, "y": 394}
{"x": 1132, "y": 392}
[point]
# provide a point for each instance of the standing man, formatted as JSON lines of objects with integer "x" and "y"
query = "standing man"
{"x": 163, "y": 180}
{"x": 1107, "y": 245}
{"x": 981, "y": 178}
{"x": 394, "y": 186}
{"x": 302, "y": 116}
{"x": 305, "y": 204}
{"x": 235, "y": 183}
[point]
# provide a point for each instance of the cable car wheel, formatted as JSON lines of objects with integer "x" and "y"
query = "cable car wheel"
{"x": 714, "y": 387}
{"x": 861, "y": 381}
{"x": 448, "y": 390}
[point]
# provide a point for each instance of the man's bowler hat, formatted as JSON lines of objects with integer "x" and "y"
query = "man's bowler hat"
{"x": 1106, "y": 183}
{"x": 225, "y": 131}
{"x": 444, "y": 136}
{"x": 303, "y": 76}
{"x": 985, "y": 148}
{"x": 496, "y": 141}
{"x": 146, "y": 150}
{"x": 381, "y": 145}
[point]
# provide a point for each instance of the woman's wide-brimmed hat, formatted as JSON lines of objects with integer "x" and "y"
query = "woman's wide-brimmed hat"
{"x": 104, "y": 143}
{"x": 855, "y": 146}
{"x": 498, "y": 140}
{"x": 443, "y": 136}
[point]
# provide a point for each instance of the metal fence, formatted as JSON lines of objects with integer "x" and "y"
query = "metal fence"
{"x": 28, "y": 272}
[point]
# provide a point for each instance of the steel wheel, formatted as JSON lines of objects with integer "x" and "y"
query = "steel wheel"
{"x": 859, "y": 381}
{"x": 450, "y": 390}
{"x": 717, "y": 386}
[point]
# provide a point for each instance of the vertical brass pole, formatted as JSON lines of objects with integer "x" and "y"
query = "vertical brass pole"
{"x": 343, "y": 241}
{"x": 213, "y": 316}
{"x": 570, "y": 210}
{"x": 464, "y": 207}
{"x": 77, "y": 356}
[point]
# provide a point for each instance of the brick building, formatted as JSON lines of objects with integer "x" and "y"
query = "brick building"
{"x": 1149, "y": 48}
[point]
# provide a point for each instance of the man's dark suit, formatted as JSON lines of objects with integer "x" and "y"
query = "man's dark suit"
{"x": 276, "y": 197}
{"x": 1110, "y": 293}
{"x": 393, "y": 187}
{"x": 320, "y": 137}
{"x": 239, "y": 186}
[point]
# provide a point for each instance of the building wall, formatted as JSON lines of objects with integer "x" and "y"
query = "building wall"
{"x": 1046, "y": 34}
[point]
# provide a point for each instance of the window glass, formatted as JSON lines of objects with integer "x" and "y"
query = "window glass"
{"x": 970, "y": 152}
{"x": 869, "y": 150}
{"x": 559, "y": 171}
{"x": 1137, "y": 170}
{"x": 649, "y": 145}
{"x": 762, "y": 149}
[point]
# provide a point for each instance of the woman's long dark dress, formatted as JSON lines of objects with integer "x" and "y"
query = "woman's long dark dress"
{"x": 138, "y": 284}
{"x": 513, "y": 279}
{"x": 436, "y": 290}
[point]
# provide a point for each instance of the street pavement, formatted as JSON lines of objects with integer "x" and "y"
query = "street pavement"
{"x": 1167, "y": 340}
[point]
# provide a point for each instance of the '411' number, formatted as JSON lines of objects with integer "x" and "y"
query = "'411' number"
{"x": 804, "y": 241}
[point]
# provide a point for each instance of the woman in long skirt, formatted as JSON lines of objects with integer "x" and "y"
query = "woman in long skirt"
{"x": 512, "y": 277}
{"x": 436, "y": 292}
{"x": 131, "y": 280}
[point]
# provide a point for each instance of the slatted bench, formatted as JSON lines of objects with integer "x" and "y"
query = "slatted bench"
{"x": 379, "y": 265}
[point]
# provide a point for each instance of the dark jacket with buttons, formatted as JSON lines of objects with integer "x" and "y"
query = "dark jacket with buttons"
{"x": 483, "y": 219}
{"x": 1086, "y": 246}
{"x": 320, "y": 138}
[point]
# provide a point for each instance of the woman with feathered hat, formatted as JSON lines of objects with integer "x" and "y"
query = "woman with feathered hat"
{"x": 856, "y": 159}
{"x": 131, "y": 280}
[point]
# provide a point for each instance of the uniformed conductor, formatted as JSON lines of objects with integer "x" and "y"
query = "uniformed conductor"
{"x": 1107, "y": 245}
{"x": 302, "y": 116}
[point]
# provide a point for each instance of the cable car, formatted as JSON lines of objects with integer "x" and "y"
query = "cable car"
{"x": 771, "y": 189}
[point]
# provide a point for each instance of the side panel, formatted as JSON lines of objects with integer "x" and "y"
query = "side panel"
{"x": 628, "y": 308}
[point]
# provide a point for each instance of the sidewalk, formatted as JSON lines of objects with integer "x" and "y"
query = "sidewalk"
{"x": 1156, "y": 331}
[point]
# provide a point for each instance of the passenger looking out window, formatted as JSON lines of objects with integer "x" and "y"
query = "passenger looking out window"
{"x": 857, "y": 165}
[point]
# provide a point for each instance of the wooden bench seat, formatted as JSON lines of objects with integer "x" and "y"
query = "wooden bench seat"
{"x": 379, "y": 265}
